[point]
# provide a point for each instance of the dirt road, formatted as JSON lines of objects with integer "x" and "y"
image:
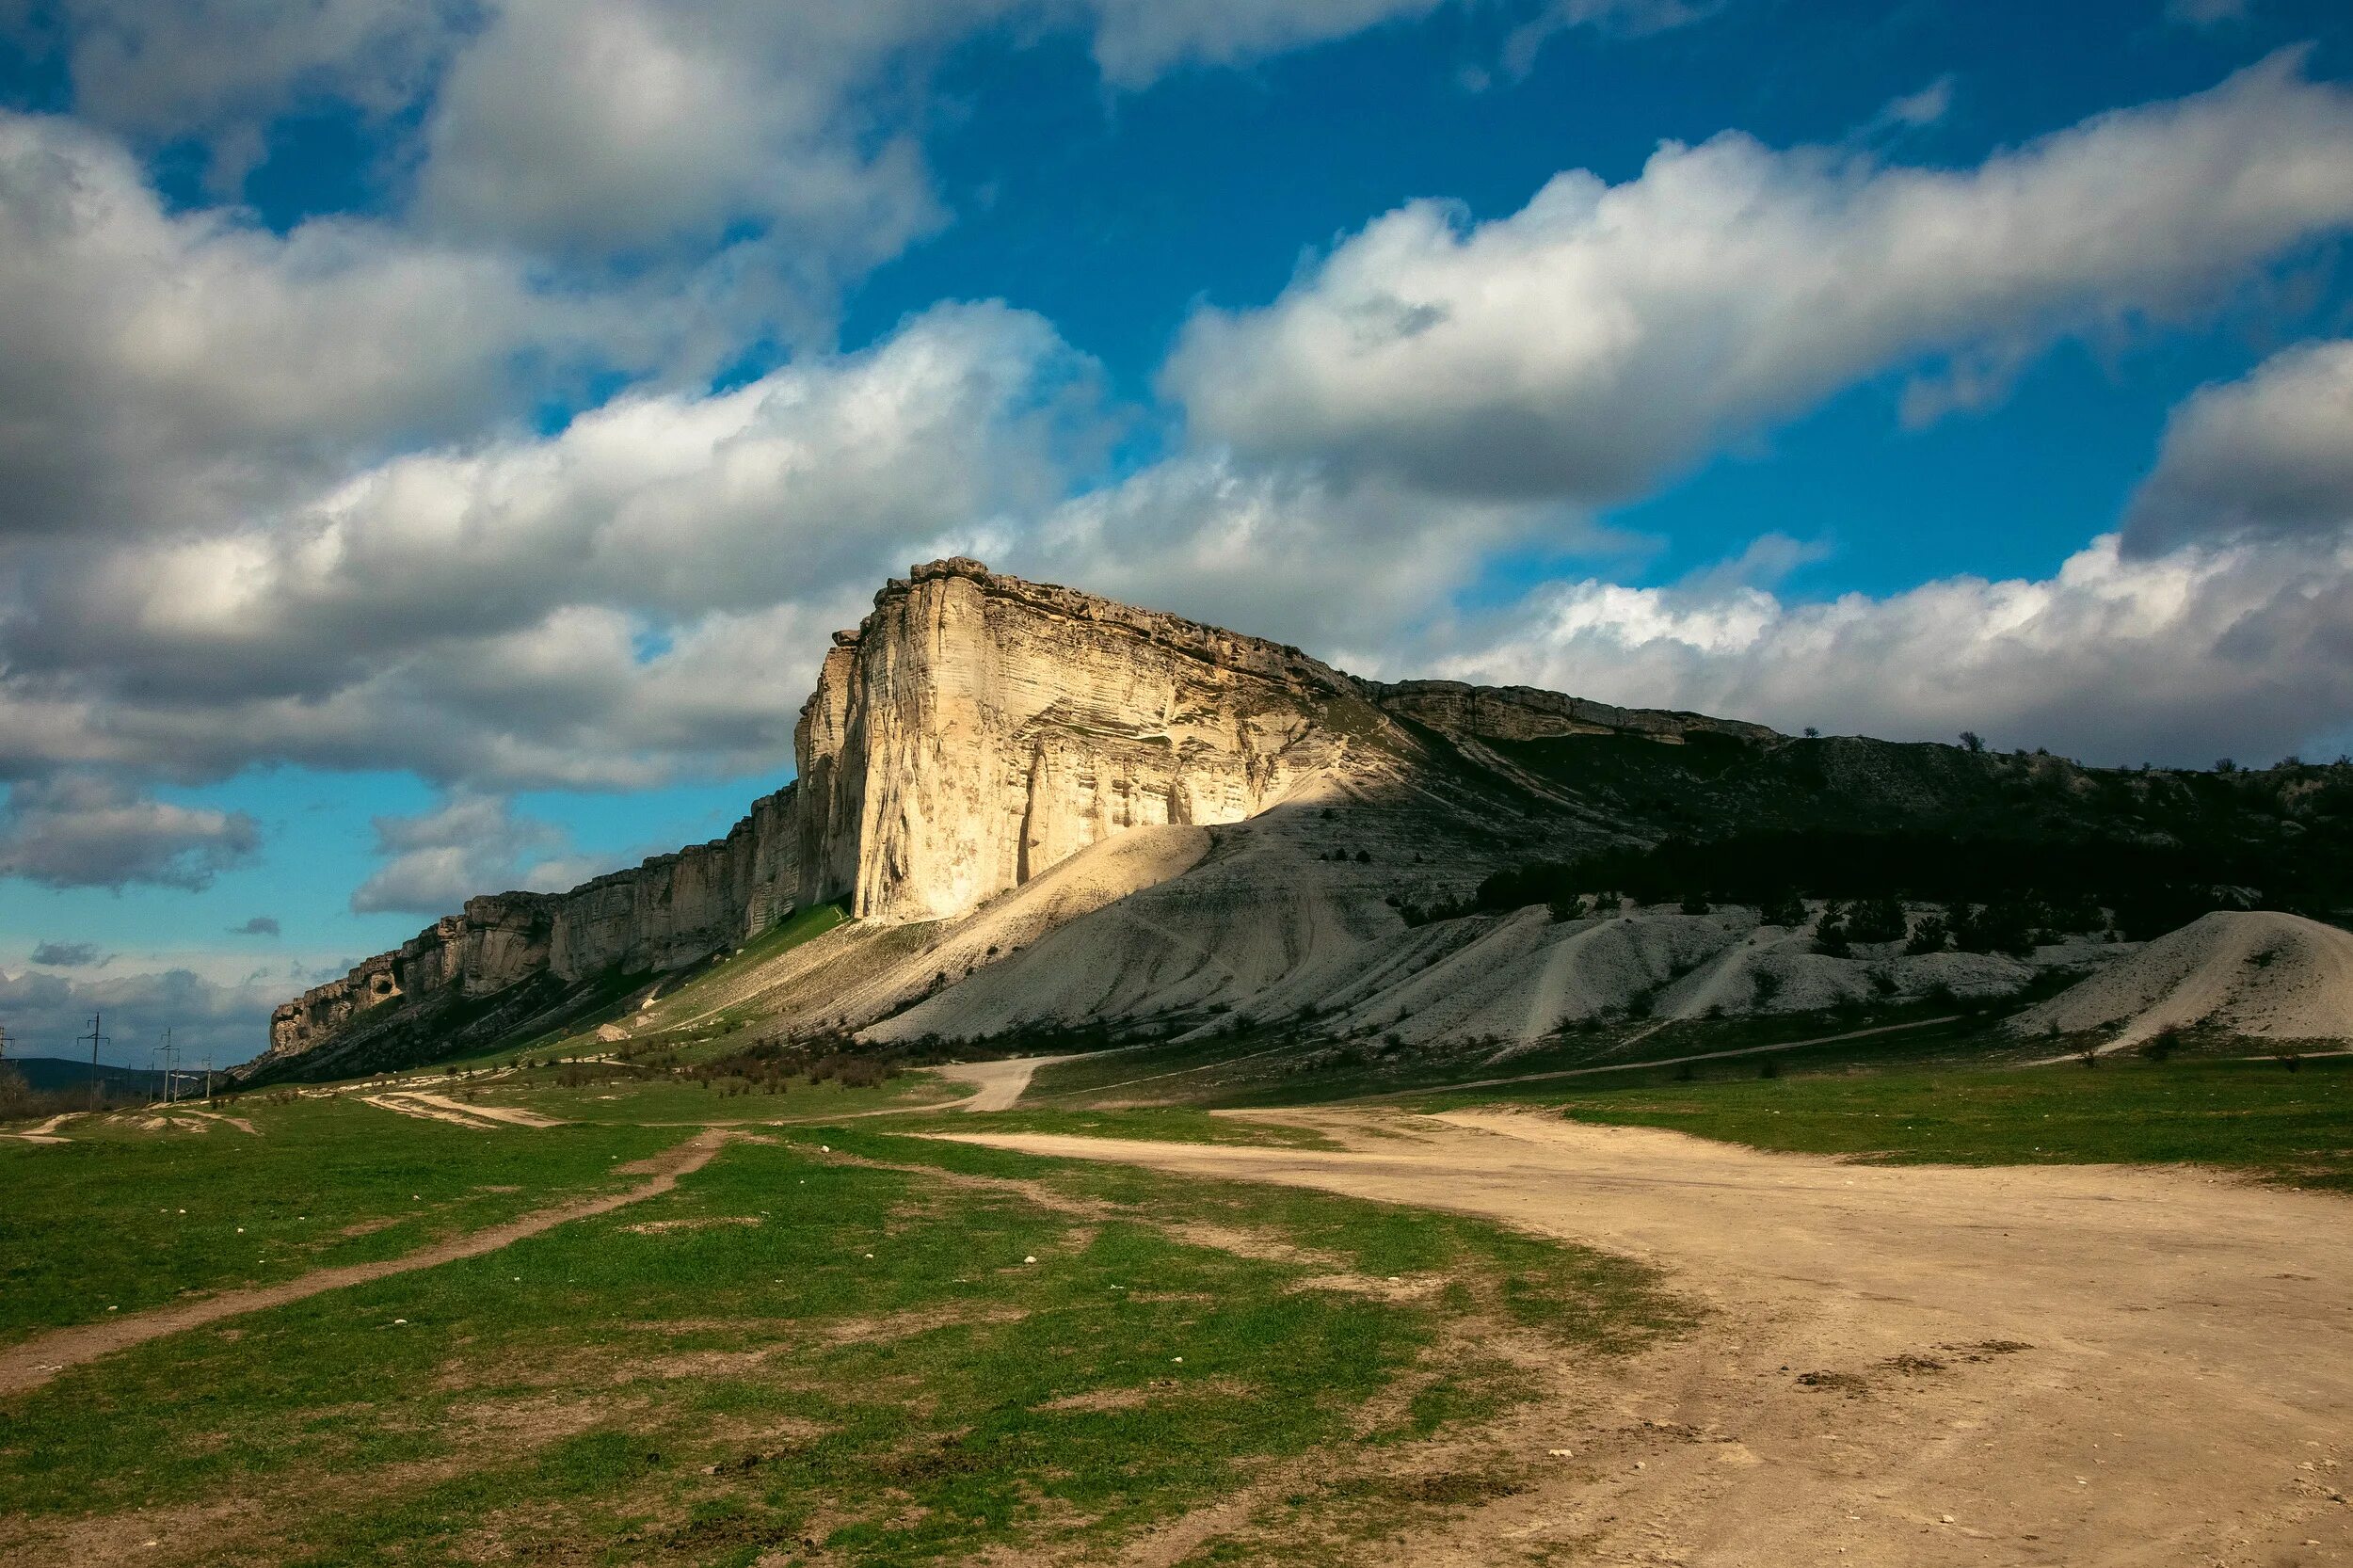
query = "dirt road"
{"x": 45, "y": 1133}
{"x": 997, "y": 1084}
{"x": 36, "y": 1361}
{"x": 2070, "y": 1365}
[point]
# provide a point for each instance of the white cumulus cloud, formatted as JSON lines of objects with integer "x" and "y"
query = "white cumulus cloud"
{"x": 2239, "y": 650}
{"x": 641, "y": 594}
{"x": 163, "y": 370}
{"x": 1605, "y": 336}
{"x": 88, "y": 830}
{"x": 2270, "y": 456}
{"x": 468, "y": 844}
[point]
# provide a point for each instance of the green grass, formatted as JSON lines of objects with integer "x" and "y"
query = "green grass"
{"x": 2250, "y": 1116}
{"x": 1273, "y": 1068}
{"x": 125, "y": 1219}
{"x": 578, "y": 1036}
{"x": 799, "y": 1345}
{"x": 1156, "y": 1123}
{"x": 782, "y": 938}
{"x": 686, "y": 1101}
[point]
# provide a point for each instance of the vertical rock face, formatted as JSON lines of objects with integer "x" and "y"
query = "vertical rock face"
{"x": 671, "y": 910}
{"x": 978, "y": 729}
{"x": 973, "y": 732}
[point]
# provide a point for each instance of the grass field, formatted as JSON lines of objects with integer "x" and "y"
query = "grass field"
{"x": 2250, "y": 1116}
{"x": 1279, "y": 1070}
{"x": 826, "y": 1346}
{"x": 124, "y": 1219}
{"x": 1162, "y": 1123}
{"x": 843, "y": 1342}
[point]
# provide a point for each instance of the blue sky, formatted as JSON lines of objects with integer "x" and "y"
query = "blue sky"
{"x": 436, "y": 439}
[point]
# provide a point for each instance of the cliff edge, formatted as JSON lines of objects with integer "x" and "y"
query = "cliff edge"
{"x": 972, "y": 732}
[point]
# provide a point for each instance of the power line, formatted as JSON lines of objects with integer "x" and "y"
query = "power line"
{"x": 96, "y": 1039}
{"x": 170, "y": 1065}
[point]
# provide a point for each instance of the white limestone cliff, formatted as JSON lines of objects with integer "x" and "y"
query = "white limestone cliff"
{"x": 973, "y": 732}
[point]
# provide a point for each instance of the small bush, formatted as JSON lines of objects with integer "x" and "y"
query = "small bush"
{"x": 1931, "y": 934}
{"x": 1875, "y": 919}
{"x": 16, "y": 1096}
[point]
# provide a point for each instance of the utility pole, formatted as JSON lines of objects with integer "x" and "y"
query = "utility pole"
{"x": 96, "y": 1039}
{"x": 170, "y": 1080}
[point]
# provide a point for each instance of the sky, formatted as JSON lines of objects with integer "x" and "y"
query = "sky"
{"x": 439, "y": 437}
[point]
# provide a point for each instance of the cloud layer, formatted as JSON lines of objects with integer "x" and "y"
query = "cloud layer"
{"x": 86, "y": 830}
{"x": 170, "y": 371}
{"x": 466, "y": 846}
{"x": 210, "y": 1019}
{"x": 641, "y": 594}
{"x": 1606, "y": 336}
{"x": 2267, "y": 457}
{"x": 283, "y": 496}
{"x": 2242, "y": 650}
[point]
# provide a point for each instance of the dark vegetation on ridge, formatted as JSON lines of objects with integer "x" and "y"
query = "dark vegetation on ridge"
{"x": 2048, "y": 841}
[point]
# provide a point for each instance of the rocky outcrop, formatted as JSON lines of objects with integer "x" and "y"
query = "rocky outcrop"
{"x": 974, "y": 732}
{"x": 978, "y": 729}
{"x": 1526, "y": 713}
{"x": 665, "y": 913}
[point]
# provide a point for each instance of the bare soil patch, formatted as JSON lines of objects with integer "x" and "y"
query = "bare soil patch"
{"x": 1901, "y": 1364}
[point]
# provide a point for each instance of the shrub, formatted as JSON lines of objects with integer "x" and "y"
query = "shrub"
{"x": 1875, "y": 919}
{"x": 1693, "y": 903}
{"x": 2005, "y": 926}
{"x": 1782, "y": 908}
{"x": 1933, "y": 933}
{"x": 1569, "y": 908}
{"x": 16, "y": 1096}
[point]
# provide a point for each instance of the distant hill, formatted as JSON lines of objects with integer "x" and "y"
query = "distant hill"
{"x": 45, "y": 1073}
{"x": 2256, "y": 974}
